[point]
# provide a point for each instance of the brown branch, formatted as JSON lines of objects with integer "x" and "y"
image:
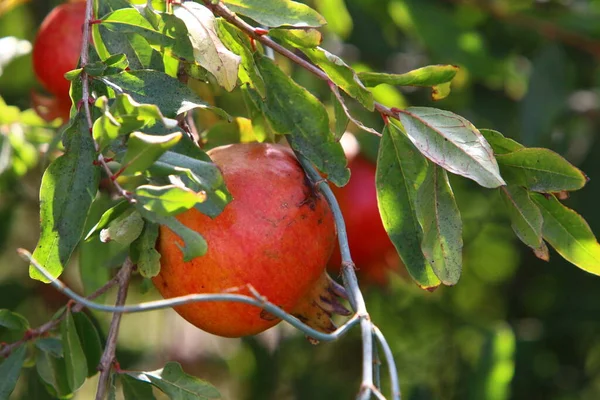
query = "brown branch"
{"x": 108, "y": 357}
{"x": 53, "y": 324}
{"x": 222, "y": 11}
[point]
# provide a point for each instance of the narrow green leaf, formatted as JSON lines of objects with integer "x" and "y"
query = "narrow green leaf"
{"x": 453, "y": 143}
{"x": 153, "y": 87}
{"x": 50, "y": 345}
{"x": 13, "y": 321}
{"x": 440, "y": 220}
{"x": 168, "y": 200}
{"x": 526, "y": 218}
{"x": 400, "y": 171}
{"x": 276, "y": 13}
{"x": 180, "y": 386}
{"x": 342, "y": 75}
{"x": 143, "y": 150}
{"x": 68, "y": 187}
{"x": 499, "y": 143}
{"x": 438, "y": 77}
{"x": 148, "y": 262}
{"x": 194, "y": 244}
{"x": 53, "y": 372}
{"x": 540, "y": 170}
{"x": 341, "y": 119}
{"x": 108, "y": 216}
{"x": 239, "y": 43}
{"x": 10, "y": 369}
{"x": 293, "y": 111}
{"x": 136, "y": 389}
{"x": 90, "y": 342}
{"x": 124, "y": 229}
{"x": 569, "y": 234}
{"x": 303, "y": 38}
{"x": 76, "y": 364}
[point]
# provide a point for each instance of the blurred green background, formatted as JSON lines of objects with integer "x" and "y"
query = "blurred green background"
{"x": 514, "y": 327}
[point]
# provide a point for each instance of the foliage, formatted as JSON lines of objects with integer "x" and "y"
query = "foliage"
{"x": 155, "y": 71}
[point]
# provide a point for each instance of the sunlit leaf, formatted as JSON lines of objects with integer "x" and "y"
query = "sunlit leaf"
{"x": 168, "y": 200}
{"x": 400, "y": 171}
{"x": 135, "y": 389}
{"x": 453, "y": 143}
{"x": 525, "y": 216}
{"x": 293, "y": 111}
{"x": 68, "y": 187}
{"x": 275, "y": 13}
{"x": 307, "y": 38}
{"x": 569, "y": 234}
{"x": 438, "y": 77}
{"x": 339, "y": 20}
{"x": 499, "y": 143}
{"x": 441, "y": 223}
{"x": 143, "y": 150}
{"x": 209, "y": 51}
{"x": 540, "y": 170}
{"x": 75, "y": 360}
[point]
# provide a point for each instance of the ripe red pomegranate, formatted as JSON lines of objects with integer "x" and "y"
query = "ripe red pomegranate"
{"x": 370, "y": 247}
{"x": 276, "y": 235}
{"x": 55, "y": 52}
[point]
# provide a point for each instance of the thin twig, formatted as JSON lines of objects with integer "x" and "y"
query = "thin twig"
{"x": 53, "y": 324}
{"x": 387, "y": 351}
{"x": 108, "y": 356}
{"x": 258, "y": 301}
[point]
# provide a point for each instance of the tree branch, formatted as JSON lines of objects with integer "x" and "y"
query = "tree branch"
{"x": 108, "y": 356}
{"x": 53, "y": 324}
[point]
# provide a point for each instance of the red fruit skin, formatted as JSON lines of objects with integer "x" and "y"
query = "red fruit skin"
{"x": 57, "y": 46}
{"x": 277, "y": 235}
{"x": 371, "y": 248}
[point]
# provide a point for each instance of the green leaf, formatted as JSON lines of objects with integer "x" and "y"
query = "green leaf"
{"x": 13, "y": 321}
{"x": 171, "y": 96}
{"x": 75, "y": 360}
{"x": 194, "y": 244}
{"x": 143, "y": 150}
{"x": 342, "y": 75}
{"x": 569, "y": 234}
{"x": 53, "y": 372}
{"x": 438, "y": 77}
{"x": 168, "y": 200}
{"x": 453, "y": 143}
{"x": 90, "y": 342}
{"x": 180, "y": 386}
{"x": 540, "y": 170}
{"x": 148, "y": 261}
{"x": 124, "y": 229}
{"x": 136, "y": 389}
{"x": 68, "y": 187}
{"x": 499, "y": 143}
{"x": 10, "y": 369}
{"x": 108, "y": 216}
{"x": 276, "y": 13}
{"x": 50, "y": 345}
{"x": 293, "y": 111}
{"x": 303, "y": 38}
{"x": 440, "y": 220}
{"x": 209, "y": 51}
{"x": 341, "y": 119}
{"x": 400, "y": 171}
{"x": 526, "y": 218}
{"x": 239, "y": 43}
